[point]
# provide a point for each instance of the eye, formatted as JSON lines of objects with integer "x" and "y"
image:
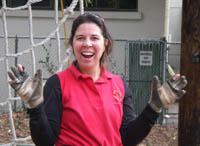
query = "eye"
{"x": 80, "y": 38}
{"x": 95, "y": 38}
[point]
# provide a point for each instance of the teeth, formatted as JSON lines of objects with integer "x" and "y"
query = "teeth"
{"x": 87, "y": 53}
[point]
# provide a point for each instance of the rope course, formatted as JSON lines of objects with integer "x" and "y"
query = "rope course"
{"x": 32, "y": 47}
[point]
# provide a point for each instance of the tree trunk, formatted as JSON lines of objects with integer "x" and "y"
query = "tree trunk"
{"x": 189, "y": 108}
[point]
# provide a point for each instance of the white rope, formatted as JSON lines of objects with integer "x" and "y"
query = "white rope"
{"x": 3, "y": 103}
{"x": 67, "y": 12}
{"x": 31, "y": 36}
{"x": 6, "y": 67}
{"x": 81, "y": 6}
{"x": 57, "y": 33}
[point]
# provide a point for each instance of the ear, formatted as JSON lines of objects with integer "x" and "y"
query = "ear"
{"x": 70, "y": 49}
{"x": 106, "y": 42}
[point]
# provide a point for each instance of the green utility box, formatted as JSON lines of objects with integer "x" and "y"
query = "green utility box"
{"x": 145, "y": 59}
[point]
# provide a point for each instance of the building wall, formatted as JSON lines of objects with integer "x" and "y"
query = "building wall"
{"x": 175, "y": 32}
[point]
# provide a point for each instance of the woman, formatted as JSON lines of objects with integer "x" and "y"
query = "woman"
{"x": 86, "y": 105}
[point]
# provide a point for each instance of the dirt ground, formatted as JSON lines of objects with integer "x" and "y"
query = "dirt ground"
{"x": 160, "y": 135}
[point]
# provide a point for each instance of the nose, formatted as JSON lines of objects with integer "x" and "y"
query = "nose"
{"x": 87, "y": 42}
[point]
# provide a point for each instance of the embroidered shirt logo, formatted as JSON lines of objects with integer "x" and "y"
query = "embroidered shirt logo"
{"x": 117, "y": 95}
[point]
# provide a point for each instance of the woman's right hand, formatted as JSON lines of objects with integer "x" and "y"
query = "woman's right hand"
{"x": 28, "y": 88}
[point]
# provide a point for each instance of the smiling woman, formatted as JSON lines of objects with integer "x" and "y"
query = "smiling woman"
{"x": 88, "y": 45}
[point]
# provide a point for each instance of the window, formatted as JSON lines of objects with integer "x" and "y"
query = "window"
{"x": 97, "y": 5}
{"x": 113, "y": 5}
{"x": 13, "y": 3}
{"x": 44, "y": 4}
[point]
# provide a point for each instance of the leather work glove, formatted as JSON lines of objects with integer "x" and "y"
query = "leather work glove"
{"x": 168, "y": 93}
{"x": 28, "y": 88}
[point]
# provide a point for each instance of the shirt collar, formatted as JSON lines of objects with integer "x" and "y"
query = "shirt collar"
{"x": 105, "y": 74}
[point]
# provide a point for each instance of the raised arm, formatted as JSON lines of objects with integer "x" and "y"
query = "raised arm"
{"x": 135, "y": 129}
{"x": 45, "y": 116}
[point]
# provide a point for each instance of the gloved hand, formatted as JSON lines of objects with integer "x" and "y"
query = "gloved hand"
{"x": 168, "y": 93}
{"x": 28, "y": 88}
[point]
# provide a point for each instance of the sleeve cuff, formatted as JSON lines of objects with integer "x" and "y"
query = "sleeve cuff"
{"x": 150, "y": 114}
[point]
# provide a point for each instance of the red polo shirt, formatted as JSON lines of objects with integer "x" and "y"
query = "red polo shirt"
{"x": 92, "y": 111}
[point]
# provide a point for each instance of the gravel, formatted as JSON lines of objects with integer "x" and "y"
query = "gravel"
{"x": 160, "y": 135}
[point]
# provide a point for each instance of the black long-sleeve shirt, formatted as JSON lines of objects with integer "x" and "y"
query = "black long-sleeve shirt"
{"x": 45, "y": 119}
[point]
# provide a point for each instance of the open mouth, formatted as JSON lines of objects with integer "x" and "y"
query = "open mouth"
{"x": 87, "y": 54}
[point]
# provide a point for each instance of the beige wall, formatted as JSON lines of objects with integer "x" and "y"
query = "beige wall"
{"x": 175, "y": 32}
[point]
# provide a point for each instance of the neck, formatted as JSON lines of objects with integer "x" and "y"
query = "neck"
{"x": 94, "y": 73}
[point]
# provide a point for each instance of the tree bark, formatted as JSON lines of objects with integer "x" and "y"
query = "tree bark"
{"x": 189, "y": 107}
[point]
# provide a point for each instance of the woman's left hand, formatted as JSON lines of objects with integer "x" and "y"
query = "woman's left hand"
{"x": 167, "y": 93}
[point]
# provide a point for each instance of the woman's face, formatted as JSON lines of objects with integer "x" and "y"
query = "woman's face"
{"x": 88, "y": 46}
